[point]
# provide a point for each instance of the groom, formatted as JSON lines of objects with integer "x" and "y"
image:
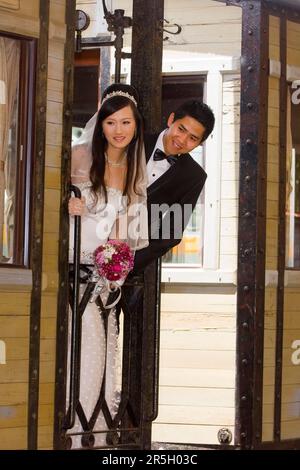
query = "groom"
{"x": 175, "y": 180}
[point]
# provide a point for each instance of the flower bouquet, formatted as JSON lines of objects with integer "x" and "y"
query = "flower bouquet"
{"x": 113, "y": 262}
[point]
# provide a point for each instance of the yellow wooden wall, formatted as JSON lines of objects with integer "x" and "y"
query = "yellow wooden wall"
{"x": 290, "y": 410}
{"x": 23, "y": 18}
{"x": 18, "y": 17}
{"x": 271, "y": 237}
{"x": 57, "y": 34}
{"x": 290, "y": 414}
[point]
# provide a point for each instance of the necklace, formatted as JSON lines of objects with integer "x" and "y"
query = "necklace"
{"x": 120, "y": 163}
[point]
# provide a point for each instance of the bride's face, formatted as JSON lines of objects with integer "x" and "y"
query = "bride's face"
{"x": 119, "y": 128}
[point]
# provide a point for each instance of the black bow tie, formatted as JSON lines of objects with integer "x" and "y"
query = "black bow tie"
{"x": 160, "y": 155}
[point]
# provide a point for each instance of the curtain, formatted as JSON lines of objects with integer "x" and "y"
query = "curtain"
{"x": 9, "y": 79}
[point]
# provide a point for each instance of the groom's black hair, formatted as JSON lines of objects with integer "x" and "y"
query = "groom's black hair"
{"x": 199, "y": 111}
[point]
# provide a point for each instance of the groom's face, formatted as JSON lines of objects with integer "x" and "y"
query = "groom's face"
{"x": 183, "y": 135}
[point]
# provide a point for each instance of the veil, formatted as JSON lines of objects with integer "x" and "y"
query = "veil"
{"x": 81, "y": 159}
{"x": 132, "y": 222}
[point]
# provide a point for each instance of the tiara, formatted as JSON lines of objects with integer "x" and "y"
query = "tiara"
{"x": 119, "y": 93}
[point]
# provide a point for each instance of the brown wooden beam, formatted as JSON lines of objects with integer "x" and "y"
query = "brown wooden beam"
{"x": 62, "y": 306}
{"x": 252, "y": 224}
{"x": 146, "y": 62}
{"x": 36, "y": 249}
{"x": 146, "y": 67}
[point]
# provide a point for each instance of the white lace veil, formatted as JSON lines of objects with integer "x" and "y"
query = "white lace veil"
{"x": 81, "y": 160}
{"x": 132, "y": 222}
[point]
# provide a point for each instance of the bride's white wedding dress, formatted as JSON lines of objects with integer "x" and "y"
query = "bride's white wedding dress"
{"x": 96, "y": 226}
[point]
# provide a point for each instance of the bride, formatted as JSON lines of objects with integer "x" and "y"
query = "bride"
{"x": 109, "y": 168}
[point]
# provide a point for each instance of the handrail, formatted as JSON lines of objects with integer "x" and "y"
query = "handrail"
{"x": 75, "y": 326}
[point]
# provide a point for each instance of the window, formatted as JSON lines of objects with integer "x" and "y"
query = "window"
{"x": 176, "y": 90}
{"x": 16, "y": 104}
{"x": 86, "y": 87}
{"x": 190, "y": 249}
{"x": 293, "y": 186}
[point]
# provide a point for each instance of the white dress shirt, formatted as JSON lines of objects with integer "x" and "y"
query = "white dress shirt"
{"x": 157, "y": 168}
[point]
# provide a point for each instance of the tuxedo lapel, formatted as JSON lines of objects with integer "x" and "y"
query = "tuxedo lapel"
{"x": 150, "y": 141}
{"x": 159, "y": 182}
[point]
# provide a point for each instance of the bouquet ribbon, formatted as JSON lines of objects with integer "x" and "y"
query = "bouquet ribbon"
{"x": 104, "y": 285}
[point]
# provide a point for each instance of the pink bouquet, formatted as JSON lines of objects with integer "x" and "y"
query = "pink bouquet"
{"x": 114, "y": 260}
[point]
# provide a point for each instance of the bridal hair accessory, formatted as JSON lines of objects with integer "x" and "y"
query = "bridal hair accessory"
{"x": 119, "y": 93}
{"x": 113, "y": 261}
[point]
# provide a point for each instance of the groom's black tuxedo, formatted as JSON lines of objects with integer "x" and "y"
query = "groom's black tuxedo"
{"x": 182, "y": 183}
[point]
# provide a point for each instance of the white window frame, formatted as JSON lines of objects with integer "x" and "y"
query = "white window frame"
{"x": 214, "y": 68}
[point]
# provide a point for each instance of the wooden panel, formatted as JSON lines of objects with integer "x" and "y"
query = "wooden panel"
{"x": 188, "y": 303}
{"x": 54, "y": 112}
{"x": 13, "y": 416}
{"x": 210, "y": 320}
{"x": 45, "y": 437}
{"x": 274, "y": 98}
{"x": 13, "y": 393}
{"x": 17, "y": 349}
{"x": 199, "y": 360}
{"x": 52, "y": 200}
{"x": 53, "y": 156}
{"x": 267, "y": 432}
{"x": 52, "y": 178}
{"x": 10, "y": 4}
{"x": 20, "y": 17}
{"x": 192, "y": 396}
{"x": 14, "y": 303}
{"x": 219, "y": 416}
{"x": 51, "y": 243}
{"x": 47, "y": 371}
{"x": 14, "y": 371}
{"x": 46, "y": 395}
{"x": 209, "y": 378}
{"x": 50, "y": 282}
{"x": 198, "y": 340}
{"x": 56, "y": 69}
{"x": 48, "y": 328}
{"x": 293, "y": 57}
{"x": 14, "y": 326}
{"x": 186, "y": 434}
{"x": 13, "y": 438}
{"x": 51, "y": 222}
{"x": 54, "y": 134}
{"x": 49, "y": 306}
{"x": 290, "y": 429}
{"x": 290, "y": 394}
{"x": 55, "y": 92}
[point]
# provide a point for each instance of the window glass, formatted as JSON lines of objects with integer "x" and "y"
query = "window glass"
{"x": 176, "y": 90}
{"x": 190, "y": 249}
{"x": 15, "y": 146}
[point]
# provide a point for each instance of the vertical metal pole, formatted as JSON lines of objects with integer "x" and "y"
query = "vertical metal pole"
{"x": 62, "y": 303}
{"x": 146, "y": 61}
{"x": 37, "y": 226}
{"x": 147, "y": 45}
{"x": 252, "y": 223}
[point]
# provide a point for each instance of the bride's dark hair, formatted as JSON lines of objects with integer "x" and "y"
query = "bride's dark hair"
{"x": 99, "y": 143}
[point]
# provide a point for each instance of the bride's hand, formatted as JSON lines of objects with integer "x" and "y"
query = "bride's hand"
{"x": 76, "y": 206}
